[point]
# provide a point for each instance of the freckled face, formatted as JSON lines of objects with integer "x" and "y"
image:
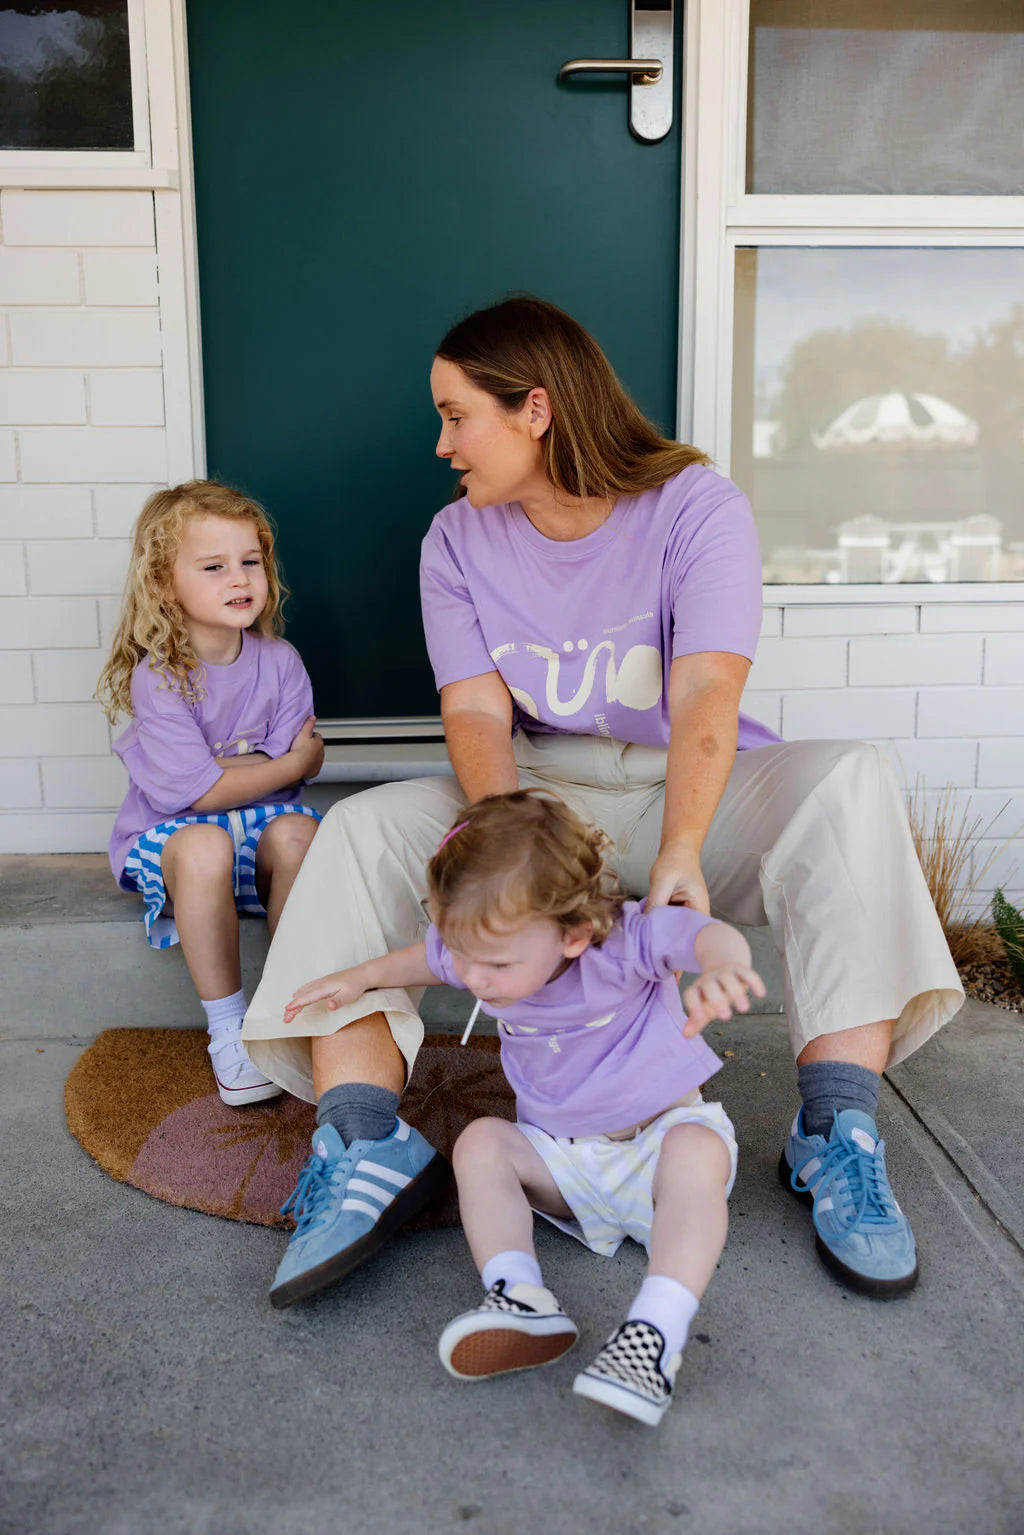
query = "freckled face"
{"x": 505, "y": 967}
{"x": 499, "y": 451}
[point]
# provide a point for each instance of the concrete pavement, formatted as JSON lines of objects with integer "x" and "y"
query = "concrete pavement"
{"x": 148, "y": 1385}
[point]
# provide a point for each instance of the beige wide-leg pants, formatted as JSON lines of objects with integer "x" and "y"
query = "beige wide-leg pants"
{"x": 810, "y": 838}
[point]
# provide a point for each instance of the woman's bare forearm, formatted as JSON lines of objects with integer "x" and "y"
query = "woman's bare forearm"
{"x": 480, "y": 749}
{"x": 702, "y": 750}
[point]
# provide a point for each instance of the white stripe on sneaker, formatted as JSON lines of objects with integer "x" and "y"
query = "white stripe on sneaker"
{"x": 362, "y": 1187}
{"x": 362, "y": 1206}
{"x": 388, "y": 1174}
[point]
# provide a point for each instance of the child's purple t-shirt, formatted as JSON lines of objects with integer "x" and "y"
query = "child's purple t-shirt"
{"x": 584, "y": 633}
{"x": 257, "y": 704}
{"x": 601, "y": 1047}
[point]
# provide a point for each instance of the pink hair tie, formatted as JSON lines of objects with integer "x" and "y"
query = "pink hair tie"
{"x": 461, "y": 827}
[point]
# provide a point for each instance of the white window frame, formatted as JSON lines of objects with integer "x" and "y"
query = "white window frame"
{"x": 719, "y": 215}
{"x": 161, "y": 163}
{"x": 124, "y": 160}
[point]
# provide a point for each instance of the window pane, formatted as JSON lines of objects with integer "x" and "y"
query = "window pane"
{"x": 886, "y": 96}
{"x": 65, "y": 76}
{"x": 878, "y": 412}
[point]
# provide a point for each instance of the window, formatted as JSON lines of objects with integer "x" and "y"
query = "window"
{"x": 855, "y": 284}
{"x": 72, "y": 81}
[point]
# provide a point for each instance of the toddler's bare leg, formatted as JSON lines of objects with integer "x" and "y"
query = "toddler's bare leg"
{"x": 691, "y": 1216}
{"x": 501, "y": 1180}
{"x": 198, "y": 869}
{"x": 279, "y": 854}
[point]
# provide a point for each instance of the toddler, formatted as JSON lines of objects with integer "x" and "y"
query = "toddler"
{"x": 220, "y": 742}
{"x": 612, "y": 1138}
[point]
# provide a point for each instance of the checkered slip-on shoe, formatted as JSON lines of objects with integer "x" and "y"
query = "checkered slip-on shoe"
{"x": 509, "y": 1330}
{"x": 629, "y": 1374}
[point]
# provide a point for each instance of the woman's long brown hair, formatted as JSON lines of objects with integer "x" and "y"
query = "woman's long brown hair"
{"x": 599, "y": 443}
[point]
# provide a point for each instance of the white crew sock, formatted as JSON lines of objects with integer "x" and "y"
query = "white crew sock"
{"x": 514, "y": 1267}
{"x": 225, "y": 1013}
{"x": 667, "y": 1305}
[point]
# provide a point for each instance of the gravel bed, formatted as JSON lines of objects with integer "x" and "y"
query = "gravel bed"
{"x": 993, "y": 981}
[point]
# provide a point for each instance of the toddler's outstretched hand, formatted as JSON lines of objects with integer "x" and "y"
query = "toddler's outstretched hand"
{"x": 337, "y": 989}
{"x": 716, "y": 992}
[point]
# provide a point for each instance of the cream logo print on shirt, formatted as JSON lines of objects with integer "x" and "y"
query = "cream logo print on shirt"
{"x": 635, "y": 682}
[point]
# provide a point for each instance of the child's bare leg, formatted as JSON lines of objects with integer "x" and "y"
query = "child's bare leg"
{"x": 279, "y": 854}
{"x": 501, "y": 1180}
{"x": 635, "y": 1371}
{"x": 691, "y": 1215}
{"x": 198, "y": 869}
{"x": 519, "y": 1323}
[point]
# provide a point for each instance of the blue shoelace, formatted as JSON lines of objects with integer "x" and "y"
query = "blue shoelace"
{"x": 310, "y": 1197}
{"x": 866, "y": 1184}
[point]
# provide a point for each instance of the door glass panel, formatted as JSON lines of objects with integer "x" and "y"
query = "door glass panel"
{"x": 878, "y": 412}
{"x": 65, "y": 76}
{"x": 888, "y": 96}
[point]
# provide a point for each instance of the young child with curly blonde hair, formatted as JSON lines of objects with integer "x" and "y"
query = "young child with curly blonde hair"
{"x": 220, "y": 741}
{"x": 612, "y": 1138}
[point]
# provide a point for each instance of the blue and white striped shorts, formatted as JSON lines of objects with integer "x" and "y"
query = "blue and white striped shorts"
{"x": 143, "y": 872}
{"x": 608, "y": 1183}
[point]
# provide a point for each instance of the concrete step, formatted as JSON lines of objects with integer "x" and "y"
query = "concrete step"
{"x": 75, "y": 960}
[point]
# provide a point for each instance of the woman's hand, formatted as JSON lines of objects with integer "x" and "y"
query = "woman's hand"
{"x": 338, "y": 989}
{"x": 676, "y": 879}
{"x": 715, "y": 993}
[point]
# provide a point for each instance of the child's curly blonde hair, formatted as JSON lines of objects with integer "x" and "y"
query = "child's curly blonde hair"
{"x": 511, "y": 857}
{"x": 151, "y": 622}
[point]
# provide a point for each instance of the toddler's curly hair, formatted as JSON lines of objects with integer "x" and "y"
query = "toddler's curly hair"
{"x": 511, "y": 857}
{"x": 151, "y": 622}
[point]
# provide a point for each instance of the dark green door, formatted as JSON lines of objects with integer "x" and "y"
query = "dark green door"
{"x": 364, "y": 176}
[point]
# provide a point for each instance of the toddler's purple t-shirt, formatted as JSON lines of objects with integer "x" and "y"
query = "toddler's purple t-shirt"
{"x": 601, "y": 1047}
{"x": 257, "y": 704}
{"x": 584, "y": 633}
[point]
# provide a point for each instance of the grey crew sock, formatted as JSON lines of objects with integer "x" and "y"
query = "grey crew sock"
{"x": 359, "y": 1111}
{"x": 829, "y": 1087}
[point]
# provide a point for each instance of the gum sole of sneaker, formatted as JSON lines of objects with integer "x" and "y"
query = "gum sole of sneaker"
{"x": 424, "y": 1188}
{"x": 499, "y": 1350}
{"x": 620, "y": 1399}
{"x": 863, "y": 1284}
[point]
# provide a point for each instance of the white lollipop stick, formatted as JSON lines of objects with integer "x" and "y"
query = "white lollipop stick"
{"x": 469, "y": 1025}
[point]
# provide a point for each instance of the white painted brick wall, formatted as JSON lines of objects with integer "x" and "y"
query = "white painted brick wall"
{"x": 82, "y": 444}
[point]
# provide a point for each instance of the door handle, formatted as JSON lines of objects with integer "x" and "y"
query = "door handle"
{"x": 650, "y": 69}
{"x": 642, "y": 71}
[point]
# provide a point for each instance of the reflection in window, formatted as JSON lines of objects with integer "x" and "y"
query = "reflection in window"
{"x": 878, "y": 412}
{"x": 886, "y": 96}
{"x": 65, "y": 76}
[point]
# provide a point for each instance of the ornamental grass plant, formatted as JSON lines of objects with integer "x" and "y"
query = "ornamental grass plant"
{"x": 944, "y": 840}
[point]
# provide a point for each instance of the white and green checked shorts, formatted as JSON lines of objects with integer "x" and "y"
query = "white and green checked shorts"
{"x": 607, "y": 1183}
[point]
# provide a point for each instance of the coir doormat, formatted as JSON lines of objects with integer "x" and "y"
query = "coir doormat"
{"x": 143, "y": 1104}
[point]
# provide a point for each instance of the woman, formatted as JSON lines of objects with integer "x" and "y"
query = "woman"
{"x": 591, "y": 606}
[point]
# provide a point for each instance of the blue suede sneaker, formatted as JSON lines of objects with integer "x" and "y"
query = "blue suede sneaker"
{"x": 348, "y": 1201}
{"x": 862, "y": 1235}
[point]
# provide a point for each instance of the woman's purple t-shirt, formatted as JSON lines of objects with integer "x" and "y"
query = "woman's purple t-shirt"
{"x": 601, "y": 1047}
{"x": 257, "y": 704}
{"x": 583, "y": 633}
